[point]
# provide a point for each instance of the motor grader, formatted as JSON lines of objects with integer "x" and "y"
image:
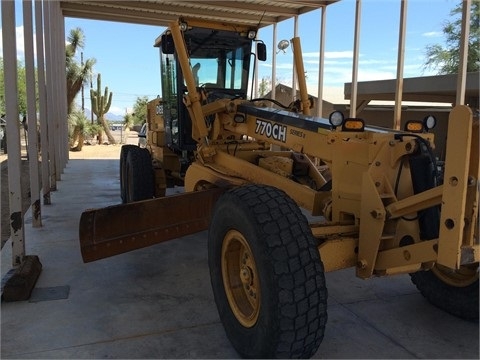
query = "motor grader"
{"x": 254, "y": 171}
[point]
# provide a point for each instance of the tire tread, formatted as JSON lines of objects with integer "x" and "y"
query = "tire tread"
{"x": 298, "y": 270}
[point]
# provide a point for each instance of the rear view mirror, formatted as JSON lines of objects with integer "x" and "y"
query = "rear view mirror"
{"x": 261, "y": 51}
{"x": 168, "y": 46}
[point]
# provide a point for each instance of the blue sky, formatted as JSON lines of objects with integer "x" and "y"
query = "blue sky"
{"x": 129, "y": 63}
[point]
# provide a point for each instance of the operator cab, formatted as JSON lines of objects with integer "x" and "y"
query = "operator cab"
{"x": 220, "y": 60}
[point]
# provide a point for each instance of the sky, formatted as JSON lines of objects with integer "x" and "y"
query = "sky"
{"x": 129, "y": 63}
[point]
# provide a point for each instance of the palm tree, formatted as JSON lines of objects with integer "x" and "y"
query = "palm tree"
{"x": 128, "y": 121}
{"x": 80, "y": 128}
{"x": 77, "y": 74}
{"x": 127, "y": 125}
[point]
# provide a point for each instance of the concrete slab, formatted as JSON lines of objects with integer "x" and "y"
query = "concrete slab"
{"x": 157, "y": 302}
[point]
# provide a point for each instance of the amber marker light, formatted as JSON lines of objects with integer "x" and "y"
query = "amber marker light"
{"x": 414, "y": 126}
{"x": 353, "y": 124}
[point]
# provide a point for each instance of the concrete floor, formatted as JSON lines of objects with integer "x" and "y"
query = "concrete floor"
{"x": 157, "y": 302}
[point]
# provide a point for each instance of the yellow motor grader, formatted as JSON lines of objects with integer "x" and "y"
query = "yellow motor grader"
{"x": 254, "y": 170}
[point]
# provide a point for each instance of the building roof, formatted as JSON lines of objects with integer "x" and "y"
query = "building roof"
{"x": 162, "y": 12}
{"x": 438, "y": 88}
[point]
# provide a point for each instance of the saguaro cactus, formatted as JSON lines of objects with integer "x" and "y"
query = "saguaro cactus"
{"x": 100, "y": 106}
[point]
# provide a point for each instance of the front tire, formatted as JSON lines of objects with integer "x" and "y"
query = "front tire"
{"x": 266, "y": 273}
{"x": 139, "y": 178}
{"x": 456, "y": 292}
{"x": 123, "y": 170}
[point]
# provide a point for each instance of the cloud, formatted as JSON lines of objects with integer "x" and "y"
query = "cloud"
{"x": 336, "y": 73}
{"x": 20, "y": 43}
{"x": 345, "y": 54}
{"x": 284, "y": 66}
{"x": 314, "y": 54}
{"x": 372, "y": 62}
{"x": 338, "y": 68}
{"x": 432, "y": 34}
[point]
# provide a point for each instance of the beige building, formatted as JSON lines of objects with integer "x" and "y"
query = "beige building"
{"x": 422, "y": 96}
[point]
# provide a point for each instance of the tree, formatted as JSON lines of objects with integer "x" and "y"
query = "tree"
{"x": 264, "y": 86}
{"x": 127, "y": 126}
{"x": 446, "y": 59}
{"x": 77, "y": 74}
{"x": 22, "y": 89}
{"x": 140, "y": 110}
{"x": 100, "y": 106}
{"x": 80, "y": 128}
{"x": 128, "y": 121}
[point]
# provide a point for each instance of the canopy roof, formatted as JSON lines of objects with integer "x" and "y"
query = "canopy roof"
{"x": 162, "y": 12}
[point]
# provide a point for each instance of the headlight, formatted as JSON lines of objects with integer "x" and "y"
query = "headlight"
{"x": 429, "y": 122}
{"x": 336, "y": 118}
{"x": 239, "y": 118}
{"x": 251, "y": 34}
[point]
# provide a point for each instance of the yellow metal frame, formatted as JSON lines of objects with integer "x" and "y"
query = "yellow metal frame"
{"x": 370, "y": 210}
{"x": 364, "y": 165}
{"x": 455, "y": 220}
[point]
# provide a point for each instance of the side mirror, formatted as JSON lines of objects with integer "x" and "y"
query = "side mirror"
{"x": 261, "y": 51}
{"x": 168, "y": 46}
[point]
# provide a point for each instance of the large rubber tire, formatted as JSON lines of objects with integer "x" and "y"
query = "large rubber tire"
{"x": 456, "y": 292}
{"x": 139, "y": 177}
{"x": 266, "y": 273}
{"x": 123, "y": 170}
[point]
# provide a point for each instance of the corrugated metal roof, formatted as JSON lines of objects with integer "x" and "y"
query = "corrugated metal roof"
{"x": 161, "y": 12}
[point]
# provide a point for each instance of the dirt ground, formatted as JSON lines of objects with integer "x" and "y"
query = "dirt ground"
{"x": 88, "y": 152}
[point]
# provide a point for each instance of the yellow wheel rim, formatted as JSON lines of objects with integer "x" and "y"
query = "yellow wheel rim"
{"x": 240, "y": 278}
{"x": 462, "y": 277}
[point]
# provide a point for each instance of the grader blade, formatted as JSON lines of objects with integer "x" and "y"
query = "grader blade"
{"x": 121, "y": 228}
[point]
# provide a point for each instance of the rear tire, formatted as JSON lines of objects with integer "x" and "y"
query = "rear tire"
{"x": 123, "y": 170}
{"x": 139, "y": 184}
{"x": 456, "y": 292}
{"x": 266, "y": 273}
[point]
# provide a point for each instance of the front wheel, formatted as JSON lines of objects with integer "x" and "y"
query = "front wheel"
{"x": 139, "y": 179}
{"x": 266, "y": 274}
{"x": 123, "y": 170}
{"x": 455, "y": 291}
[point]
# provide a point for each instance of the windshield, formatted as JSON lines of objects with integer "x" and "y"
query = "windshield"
{"x": 219, "y": 59}
{"x": 224, "y": 71}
